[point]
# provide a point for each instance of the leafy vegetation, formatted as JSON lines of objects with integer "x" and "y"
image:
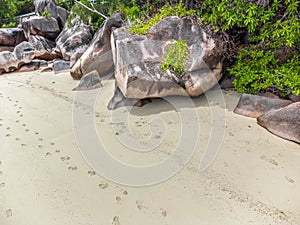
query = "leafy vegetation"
{"x": 273, "y": 31}
{"x": 141, "y": 27}
{"x": 176, "y": 57}
{"x": 260, "y": 39}
{"x": 10, "y": 9}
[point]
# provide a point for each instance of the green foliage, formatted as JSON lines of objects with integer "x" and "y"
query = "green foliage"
{"x": 46, "y": 14}
{"x": 141, "y": 26}
{"x": 132, "y": 11}
{"x": 176, "y": 57}
{"x": 258, "y": 70}
{"x": 10, "y": 9}
{"x": 10, "y": 25}
{"x": 103, "y": 6}
{"x": 271, "y": 26}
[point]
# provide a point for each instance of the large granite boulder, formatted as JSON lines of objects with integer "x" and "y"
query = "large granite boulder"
{"x": 74, "y": 41}
{"x": 51, "y": 6}
{"x": 44, "y": 48}
{"x": 10, "y": 61}
{"x": 11, "y": 36}
{"x": 284, "y": 122}
{"x": 138, "y": 59}
{"x": 99, "y": 56}
{"x": 38, "y": 25}
{"x": 61, "y": 66}
{"x": 6, "y": 48}
{"x": 41, "y": 43}
{"x": 254, "y": 105}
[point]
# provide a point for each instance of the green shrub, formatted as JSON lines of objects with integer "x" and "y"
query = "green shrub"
{"x": 46, "y": 14}
{"x": 9, "y": 25}
{"x": 141, "y": 27}
{"x": 176, "y": 58}
{"x": 271, "y": 26}
{"x": 258, "y": 71}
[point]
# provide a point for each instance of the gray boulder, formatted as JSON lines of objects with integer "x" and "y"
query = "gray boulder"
{"x": 74, "y": 41}
{"x": 61, "y": 66}
{"x": 119, "y": 100}
{"x": 42, "y": 26}
{"x": 22, "y": 54}
{"x": 138, "y": 59}
{"x": 98, "y": 56}
{"x": 284, "y": 122}
{"x": 254, "y": 105}
{"x": 89, "y": 81}
{"x": 51, "y": 6}
{"x": 7, "y": 48}
{"x": 44, "y": 48}
{"x": 11, "y": 36}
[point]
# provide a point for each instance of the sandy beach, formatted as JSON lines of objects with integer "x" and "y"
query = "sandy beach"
{"x": 45, "y": 180}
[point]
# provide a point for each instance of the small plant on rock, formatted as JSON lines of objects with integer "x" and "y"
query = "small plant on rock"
{"x": 176, "y": 58}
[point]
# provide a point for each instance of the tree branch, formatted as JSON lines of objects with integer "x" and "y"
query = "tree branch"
{"x": 91, "y": 9}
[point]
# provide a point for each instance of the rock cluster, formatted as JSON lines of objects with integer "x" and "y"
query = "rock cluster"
{"x": 280, "y": 117}
{"x": 50, "y": 37}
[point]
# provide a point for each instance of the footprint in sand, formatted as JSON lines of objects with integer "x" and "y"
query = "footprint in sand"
{"x": 92, "y": 173}
{"x": 57, "y": 151}
{"x": 72, "y": 168}
{"x": 272, "y": 161}
{"x": 36, "y": 133}
{"x": 51, "y": 143}
{"x": 27, "y": 130}
{"x": 290, "y": 180}
{"x": 17, "y": 139}
{"x": 116, "y": 221}
{"x": 8, "y": 213}
{"x": 48, "y": 154}
{"x": 1, "y": 173}
{"x": 125, "y": 192}
{"x": 65, "y": 158}
{"x": 163, "y": 212}
{"x": 23, "y": 145}
{"x": 2, "y": 185}
{"x": 41, "y": 139}
{"x": 103, "y": 185}
{"x": 139, "y": 205}
{"x": 118, "y": 199}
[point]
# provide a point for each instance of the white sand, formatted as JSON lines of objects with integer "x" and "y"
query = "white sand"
{"x": 44, "y": 179}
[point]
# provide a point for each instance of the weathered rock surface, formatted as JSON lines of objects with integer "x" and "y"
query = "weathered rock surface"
{"x": 254, "y": 105}
{"x": 61, "y": 66}
{"x": 33, "y": 66}
{"x": 11, "y": 36}
{"x": 119, "y": 100}
{"x": 294, "y": 98}
{"x": 10, "y": 61}
{"x": 138, "y": 60}
{"x": 89, "y": 81}
{"x": 51, "y": 6}
{"x": 98, "y": 56}
{"x": 284, "y": 122}
{"x": 44, "y": 48}
{"x": 6, "y": 48}
{"x": 42, "y": 26}
{"x": 73, "y": 42}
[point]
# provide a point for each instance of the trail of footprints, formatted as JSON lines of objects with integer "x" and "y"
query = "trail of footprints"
{"x": 63, "y": 158}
